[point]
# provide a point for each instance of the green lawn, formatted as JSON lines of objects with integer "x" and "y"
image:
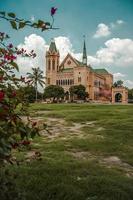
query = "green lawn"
{"x": 92, "y": 162}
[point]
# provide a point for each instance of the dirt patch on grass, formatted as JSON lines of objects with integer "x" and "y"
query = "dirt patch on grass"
{"x": 60, "y": 128}
{"x": 114, "y": 161}
{"x": 82, "y": 155}
{"x": 109, "y": 162}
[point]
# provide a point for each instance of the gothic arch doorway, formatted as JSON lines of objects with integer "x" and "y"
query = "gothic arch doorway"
{"x": 118, "y": 97}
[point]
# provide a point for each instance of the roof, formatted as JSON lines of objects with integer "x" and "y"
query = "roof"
{"x": 79, "y": 63}
{"x": 84, "y": 51}
{"x": 74, "y": 60}
{"x": 52, "y": 47}
{"x": 101, "y": 71}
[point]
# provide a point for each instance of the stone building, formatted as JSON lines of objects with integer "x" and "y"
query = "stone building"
{"x": 98, "y": 82}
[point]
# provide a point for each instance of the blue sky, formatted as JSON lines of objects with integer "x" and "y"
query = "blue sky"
{"x": 102, "y": 21}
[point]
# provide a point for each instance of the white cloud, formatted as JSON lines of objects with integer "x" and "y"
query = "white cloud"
{"x": 128, "y": 83}
{"x": 32, "y": 18}
{"x": 64, "y": 46}
{"x": 118, "y": 75}
{"x": 38, "y": 44}
{"x": 102, "y": 31}
{"x": 119, "y": 21}
{"x": 117, "y": 52}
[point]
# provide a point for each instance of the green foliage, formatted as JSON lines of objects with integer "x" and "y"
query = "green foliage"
{"x": 54, "y": 91}
{"x": 30, "y": 94}
{"x": 118, "y": 83}
{"x": 12, "y": 96}
{"x": 78, "y": 91}
{"x": 35, "y": 78}
{"x": 130, "y": 93}
{"x": 8, "y": 188}
{"x": 13, "y": 15}
{"x": 18, "y": 23}
{"x": 13, "y": 24}
{"x": 12, "y": 128}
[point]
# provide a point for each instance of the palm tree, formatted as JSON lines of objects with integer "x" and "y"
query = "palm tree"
{"x": 36, "y": 78}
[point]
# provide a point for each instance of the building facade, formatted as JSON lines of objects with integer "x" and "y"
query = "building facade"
{"x": 70, "y": 72}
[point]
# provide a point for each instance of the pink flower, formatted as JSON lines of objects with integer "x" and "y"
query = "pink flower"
{"x": 14, "y": 94}
{"x": 26, "y": 142}
{"x": 15, "y": 145}
{"x": 1, "y": 78}
{"x": 12, "y": 57}
{"x": 10, "y": 46}
{"x": 9, "y": 57}
{"x": 2, "y": 95}
{"x": 53, "y": 11}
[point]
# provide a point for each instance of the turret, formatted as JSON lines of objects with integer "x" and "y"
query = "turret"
{"x": 52, "y": 63}
{"x": 84, "y": 59}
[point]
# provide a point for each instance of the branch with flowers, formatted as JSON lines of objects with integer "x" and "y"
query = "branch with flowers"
{"x": 18, "y": 23}
{"x": 14, "y": 132}
{"x": 10, "y": 97}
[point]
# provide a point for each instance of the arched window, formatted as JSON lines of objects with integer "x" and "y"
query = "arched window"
{"x": 61, "y": 82}
{"x": 79, "y": 79}
{"x": 53, "y": 64}
{"x": 49, "y": 63}
{"x": 48, "y": 80}
{"x": 68, "y": 81}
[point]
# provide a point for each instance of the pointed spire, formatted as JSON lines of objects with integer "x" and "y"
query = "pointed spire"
{"x": 84, "y": 53}
{"x": 52, "y": 47}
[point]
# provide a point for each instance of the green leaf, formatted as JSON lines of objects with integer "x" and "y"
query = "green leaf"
{"x": 12, "y": 15}
{"x": 40, "y": 22}
{"x": 13, "y": 24}
{"x": 15, "y": 65}
{"x": 34, "y": 25}
{"x": 47, "y": 24}
{"x": 2, "y": 13}
{"x": 33, "y": 133}
{"x": 21, "y": 24}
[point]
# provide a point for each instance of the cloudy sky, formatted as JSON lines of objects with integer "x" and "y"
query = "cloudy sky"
{"x": 107, "y": 25}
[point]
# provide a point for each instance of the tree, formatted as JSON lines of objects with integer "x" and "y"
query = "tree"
{"x": 30, "y": 93}
{"x": 130, "y": 94}
{"x": 118, "y": 83}
{"x": 36, "y": 77}
{"x": 54, "y": 91}
{"x": 78, "y": 91}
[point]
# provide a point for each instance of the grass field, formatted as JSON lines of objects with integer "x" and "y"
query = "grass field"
{"x": 87, "y": 156}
